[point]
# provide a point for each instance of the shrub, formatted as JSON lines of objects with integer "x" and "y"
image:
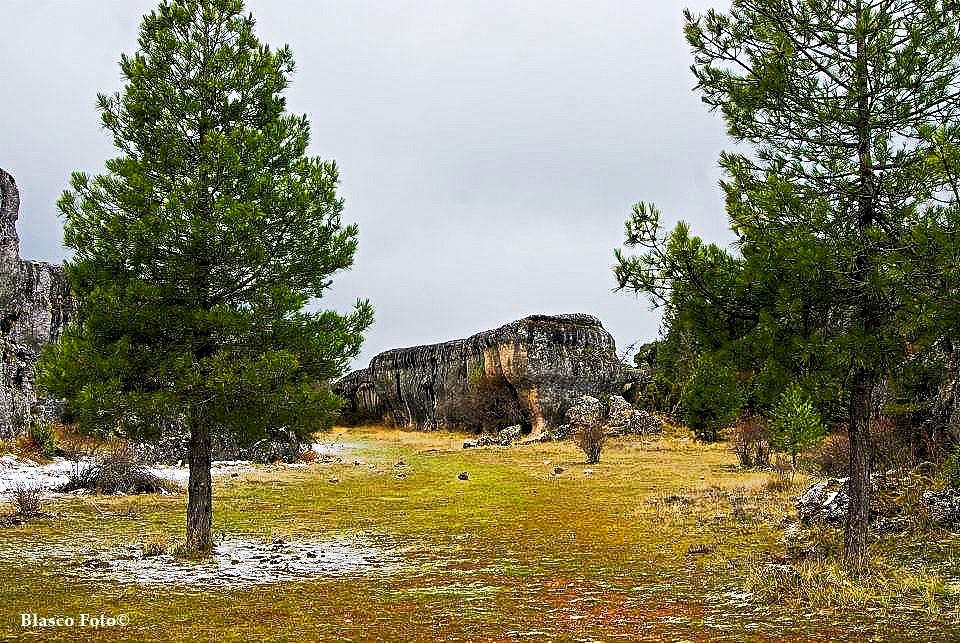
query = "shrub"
{"x": 891, "y": 445}
{"x": 891, "y": 450}
{"x": 783, "y": 475}
{"x": 26, "y": 500}
{"x": 832, "y": 456}
{"x": 38, "y": 439}
{"x": 116, "y": 468}
{"x": 795, "y": 423}
{"x": 155, "y": 546}
{"x": 748, "y": 440}
{"x": 951, "y": 470}
{"x": 587, "y": 421}
{"x": 711, "y": 398}
{"x": 590, "y": 440}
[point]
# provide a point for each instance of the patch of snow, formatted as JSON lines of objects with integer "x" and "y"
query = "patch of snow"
{"x": 333, "y": 448}
{"x": 218, "y": 468}
{"x": 16, "y": 471}
{"x": 246, "y": 562}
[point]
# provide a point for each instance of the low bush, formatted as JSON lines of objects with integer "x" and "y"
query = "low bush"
{"x": 26, "y": 500}
{"x": 116, "y": 469}
{"x": 782, "y": 476}
{"x": 891, "y": 450}
{"x": 590, "y": 439}
{"x": 154, "y": 546}
{"x": 37, "y": 440}
{"x": 891, "y": 446}
{"x": 588, "y": 425}
{"x": 832, "y": 456}
{"x": 748, "y": 440}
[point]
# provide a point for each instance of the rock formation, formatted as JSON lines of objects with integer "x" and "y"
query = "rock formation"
{"x": 618, "y": 416}
{"x": 35, "y": 304}
{"x": 547, "y": 361}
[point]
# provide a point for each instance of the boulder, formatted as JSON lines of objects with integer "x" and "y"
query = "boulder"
{"x": 586, "y": 411}
{"x": 624, "y": 419}
{"x": 509, "y": 435}
{"x": 619, "y": 416}
{"x": 487, "y": 440}
{"x": 893, "y": 500}
{"x": 544, "y": 361}
{"x": 825, "y": 502}
{"x": 643, "y": 423}
{"x": 943, "y": 507}
{"x": 35, "y": 305}
{"x": 619, "y": 412}
{"x": 505, "y": 438}
{"x": 545, "y": 436}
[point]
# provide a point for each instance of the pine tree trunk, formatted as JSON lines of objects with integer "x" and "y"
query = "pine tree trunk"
{"x": 855, "y": 552}
{"x": 199, "y": 491}
{"x": 862, "y": 383}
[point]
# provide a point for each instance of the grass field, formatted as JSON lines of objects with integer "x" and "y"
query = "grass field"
{"x": 662, "y": 540}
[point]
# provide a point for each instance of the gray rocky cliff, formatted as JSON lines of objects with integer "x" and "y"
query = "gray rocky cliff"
{"x": 547, "y": 361}
{"x": 35, "y": 305}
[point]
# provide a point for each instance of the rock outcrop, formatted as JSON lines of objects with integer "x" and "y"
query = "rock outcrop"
{"x": 943, "y": 507}
{"x": 547, "y": 362}
{"x": 35, "y": 304}
{"x": 898, "y": 496}
{"x": 618, "y": 416}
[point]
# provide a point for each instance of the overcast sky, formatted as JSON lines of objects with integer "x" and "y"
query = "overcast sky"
{"x": 489, "y": 150}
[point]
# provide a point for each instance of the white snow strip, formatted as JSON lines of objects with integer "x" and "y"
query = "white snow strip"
{"x": 16, "y": 471}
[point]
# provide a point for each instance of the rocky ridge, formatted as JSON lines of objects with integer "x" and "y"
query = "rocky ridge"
{"x": 547, "y": 361}
{"x": 35, "y": 305}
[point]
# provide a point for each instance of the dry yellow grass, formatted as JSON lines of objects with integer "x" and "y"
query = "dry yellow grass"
{"x": 659, "y": 540}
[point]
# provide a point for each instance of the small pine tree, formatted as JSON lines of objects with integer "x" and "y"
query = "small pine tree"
{"x": 711, "y": 398}
{"x": 795, "y": 424}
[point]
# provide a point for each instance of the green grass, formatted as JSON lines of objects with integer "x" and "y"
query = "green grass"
{"x": 661, "y": 541}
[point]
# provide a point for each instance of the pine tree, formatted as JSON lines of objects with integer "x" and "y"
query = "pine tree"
{"x": 198, "y": 251}
{"x": 794, "y": 423}
{"x": 711, "y": 398}
{"x": 843, "y": 104}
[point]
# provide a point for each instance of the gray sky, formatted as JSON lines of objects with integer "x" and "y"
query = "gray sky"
{"x": 489, "y": 150}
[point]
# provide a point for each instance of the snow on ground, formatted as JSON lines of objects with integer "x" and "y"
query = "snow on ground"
{"x": 334, "y": 449}
{"x": 238, "y": 561}
{"x": 16, "y": 471}
{"x": 51, "y": 475}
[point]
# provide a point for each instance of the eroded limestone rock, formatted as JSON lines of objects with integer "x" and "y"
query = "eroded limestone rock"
{"x": 547, "y": 361}
{"x": 943, "y": 507}
{"x": 624, "y": 419}
{"x": 35, "y": 304}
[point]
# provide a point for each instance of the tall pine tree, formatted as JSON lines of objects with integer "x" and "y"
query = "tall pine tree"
{"x": 198, "y": 251}
{"x": 841, "y": 103}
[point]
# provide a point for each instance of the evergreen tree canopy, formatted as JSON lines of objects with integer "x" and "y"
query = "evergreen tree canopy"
{"x": 794, "y": 423}
{"x": 841, "y": 202}
{"x": 198, "y": 250}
